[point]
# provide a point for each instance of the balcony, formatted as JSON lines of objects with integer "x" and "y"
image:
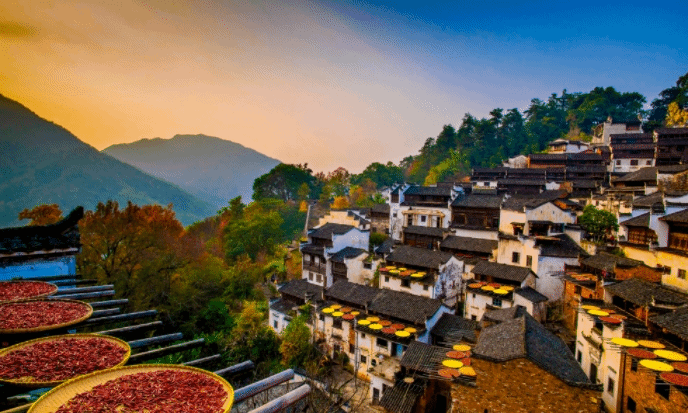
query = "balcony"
{"x": 310, "y": 266}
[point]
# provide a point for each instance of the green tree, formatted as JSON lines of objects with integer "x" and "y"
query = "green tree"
{"x": 259, "y": 230}
{"x": 598, "y": 223}
{"x": 296, "y": 347}
{"x": 380, "y": 174}
{"x": 283, "y": 182}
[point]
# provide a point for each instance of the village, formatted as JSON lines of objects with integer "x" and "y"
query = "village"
{"x": 490, "y": 296}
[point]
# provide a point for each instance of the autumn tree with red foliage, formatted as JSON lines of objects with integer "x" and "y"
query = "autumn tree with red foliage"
{"x": 42, "y": 214}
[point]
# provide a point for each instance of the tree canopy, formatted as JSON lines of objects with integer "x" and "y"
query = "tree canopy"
{"x": 598, "y": 222}
{"x": 285, "y": 182}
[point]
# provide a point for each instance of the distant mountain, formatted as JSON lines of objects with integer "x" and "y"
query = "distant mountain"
{"x": 41, "y": 162}
{"x": 213, "y": 169}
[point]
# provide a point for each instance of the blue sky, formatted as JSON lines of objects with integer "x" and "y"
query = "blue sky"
{"x": 331, "y": 83}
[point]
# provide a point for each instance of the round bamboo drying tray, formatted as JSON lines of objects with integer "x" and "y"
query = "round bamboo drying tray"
{"x": 55, "y": 398}
{"x": 49, "y": 293}
{"x": 49, "y": 327}
{"x": 40, "y": 384}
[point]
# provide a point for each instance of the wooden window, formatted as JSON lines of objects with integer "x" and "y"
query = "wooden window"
{"x": 381, "y": 342}
{"x": 577, "y": 289}
{"x": 634, "y": 162}
{"x": 337, "y": 323}
{"x": 515, "y": 257}
{"x": 386, "y": 278}
{"x": 662, "y": 388}
{"x": 497, "y": 302}
{"x": 364, "y": 360}
{"x": 634, "y": 364}
{"x": 618, "y": 162}
{"x": 682, "y": 274}
{"x": 529, "y": 261}
{"x": 406, "y": 283}
{"x": 425, "y": 287}
{"x": 630, "y": 405}
{"x": 610, "y": 386}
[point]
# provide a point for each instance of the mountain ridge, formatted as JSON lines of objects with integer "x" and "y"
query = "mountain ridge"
{"x": 42, "y": 162}
{"x": 213, "y": 169}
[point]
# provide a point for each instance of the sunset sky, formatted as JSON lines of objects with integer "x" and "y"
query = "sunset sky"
{"x": 331, "y": 83}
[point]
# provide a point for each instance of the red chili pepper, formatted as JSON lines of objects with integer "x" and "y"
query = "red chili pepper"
{"x": 15, "y": 290}
{"x": 60, "y": 359}
{"x": 162, "y": 391}
{"x": 32, "y": 314}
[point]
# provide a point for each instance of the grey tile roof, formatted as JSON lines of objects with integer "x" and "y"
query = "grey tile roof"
{"x": 548, "y": 157}
{"x": 282, "y": 306}
{"x": 469, "y": 244}
{"x": 429, "y": 190}
{"x": 313, "y": 249}
{"x": 524, "y": 337}
{"x": 429, "y": 231}
{"x": 380, "y": 208}
{"x": 504, "y": 314}
{"x": 61, "y": 235}
{"x": 326, "y": 231}
{"x": 423, "y": 357}
{"x": 419, "y": 257}
{"x": 607, "y": 262}
{"x": 639, "y": 221}
{"x": 478, "y": 201}
{"x": 645, "y": 293}
{"x": 520, "y": 203}
{"x": 347, "y": 253}
{"x": 525, "y": 182}
{"x": 671, "y": 169}
{"x": 680, "y": 216}
{"x": 676, "y": 322}
{"x": 671, "y": 131}
{"x": 502, "y": 271}
{"x": 641, "y": 175}
{"x": 299, "y": 288}
{"x": 402, "y": 397}
{"x": 452, "y": 329}
{"x": 395, "y": 304}
{"x": 531, "y": 295}
{"x": 560, "y": 245}
{"x": 648, "y": 200}
{"x": 386, "y": 246}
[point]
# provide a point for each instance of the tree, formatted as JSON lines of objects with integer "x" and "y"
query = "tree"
{"x": 257, "y": 231}
{"x": 283, "y": 182}
{"x": 138, "y": 249}
{"x": 340, "y": 202}
{"x": 296, "y": 347}
{"x": 676, "y": 117}
{"x": 595, "y": 107}
{"x": 380, "y": 174}
{"x": 660, "y": 106}
{"x": 598, "y": 223}
{"x": 42, "y": 214}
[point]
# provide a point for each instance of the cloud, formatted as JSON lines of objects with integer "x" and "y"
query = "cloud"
{"x": 15, "y": 29}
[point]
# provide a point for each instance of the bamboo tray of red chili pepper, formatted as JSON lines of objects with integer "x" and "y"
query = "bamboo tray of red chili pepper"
{"x": 150, "y": 388}
{"x": 49, "y": 361}
{"x": 33, "y": 316}
{"x": 24, "y": 290}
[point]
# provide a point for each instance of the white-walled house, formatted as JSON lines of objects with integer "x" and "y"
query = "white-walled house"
{"x": 352, "y": 264}
{"x": 567, "y": 146}
{"x": 546, "y": 256}
{"x": 42, "y": 250}
{"x": 514, "y": 286}
{"x": 325, "y": 241}
{"x": 533, "y": 216}
{"x": 424, "y": 206}
{"x": 374, "y": 350}
{"x": 293, "y": 295}
{"x": 423, "y": 272}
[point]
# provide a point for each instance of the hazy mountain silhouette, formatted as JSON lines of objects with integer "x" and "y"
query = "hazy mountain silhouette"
{"x": 43, "y": 163}
{"x": 213, "y": 169}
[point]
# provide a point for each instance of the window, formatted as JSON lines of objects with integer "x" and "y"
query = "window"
{"x": 386, "y": 278}
{"x": 634, "y": 364}
{"x": 515, "y": 257}
{"x": 634, "y": 162}
{"x": 662, "y": 388}
{"x": 367, "y": 265}
{"x": 319, "y": 277}
{"x": 529, "y": 261}
{"x": 425, "y": 287}
{"x": 577, "y": 289}
{"x": 423, "y": 218}
{"x": 373, "y": 362}
{"x": 406, "y": 283}
{"x": 610, "y": 386}
{"x": 322, "y": 317}
{"x": 618, "y": 162}
{"x": 363, "y": 335}
{"x": 630, "y": 405}
{"x": 648, "y": 162}
{"x": 497, "y": 302}
{"x": 381, "y": 342}
{"x": 310, "y": 276}
{"x": 579, "y": 357}
{"x": 337, "y": 323}
{"x": 682, "y": 274}
{"x": 364, "y": 360}
{"x": 352, "y": 348}
{"x": 474, "y": 318}
{"x": 275, "y": 324}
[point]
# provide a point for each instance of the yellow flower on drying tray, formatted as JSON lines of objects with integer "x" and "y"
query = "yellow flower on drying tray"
{"x": 507, "y": 287}
{"x": 375, "y": 326}
{"x": 328, "y": 310}
{"x": 391, "y": 267}
{"x": 403, "y": 269}
{"x": 393, "y": 271}
{"x": 598, "y": 313}
{"x": 624, "y": 342}
{"x": 418, "y": 275}
{"x": 411, "y": 330}
{"x": 454, "y": 364}
{"x": 670, "y": 355}
{"x": 363, "y": 322}
{"x": 373, "y": 318}
{"x": 500, "y": 291}
{"x": 656, "y": 365}
{"x": 336, "y": 306}
{"x": 337, "y": 314}
{"x": 461, "y": 347}
{"x": 355, "y": 313}
{"x": 651, "y": 344}
{"x": 590, "y": 307}
{"x": 467, "y": 371}
{"x": 402, "y": 333}
{"x": 487, "y": 288}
